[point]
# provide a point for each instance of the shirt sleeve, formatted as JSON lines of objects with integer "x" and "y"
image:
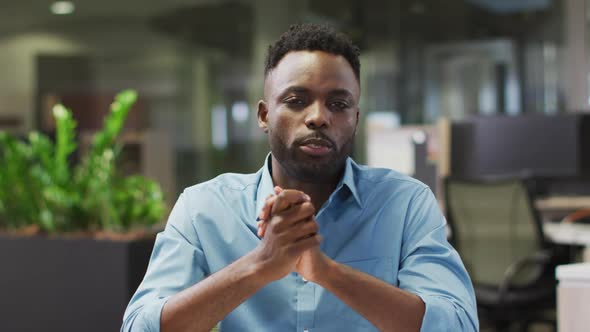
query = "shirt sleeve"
{"x": 433, "y": 270}
{"x": 177, "y": 262}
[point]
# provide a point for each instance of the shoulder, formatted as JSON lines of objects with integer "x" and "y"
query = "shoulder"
{"x": 387, "y": 181}
{"x": 224, "y": 187}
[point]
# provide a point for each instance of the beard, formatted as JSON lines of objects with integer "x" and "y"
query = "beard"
{"x": 305, "y": 168}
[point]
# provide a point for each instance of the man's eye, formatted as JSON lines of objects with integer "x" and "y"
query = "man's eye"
{"x": 338, "y": 105}
{"x": 295, "y": 102}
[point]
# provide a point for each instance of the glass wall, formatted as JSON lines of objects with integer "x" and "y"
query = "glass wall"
{"x": 198, "y": 68}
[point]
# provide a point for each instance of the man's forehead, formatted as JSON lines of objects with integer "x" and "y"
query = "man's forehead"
{"x": 300, "y": 67}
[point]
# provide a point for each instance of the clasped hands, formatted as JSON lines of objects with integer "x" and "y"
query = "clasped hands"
{"x": 290, "y": 239}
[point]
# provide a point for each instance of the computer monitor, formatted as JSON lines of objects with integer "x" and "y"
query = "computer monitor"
{"x": 524, "y": 145}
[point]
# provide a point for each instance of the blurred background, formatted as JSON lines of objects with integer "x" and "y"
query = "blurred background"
{"x": 477, "y": 90}
{"x": 198, "y": 67}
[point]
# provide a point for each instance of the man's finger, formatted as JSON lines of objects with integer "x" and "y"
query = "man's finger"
{"x": 261, "y": 231}
{"x": 292, "y": 196}
{"x": 265, "y": 212}
{"x": 286, "y": 219}
{"x": 287, "y": 198}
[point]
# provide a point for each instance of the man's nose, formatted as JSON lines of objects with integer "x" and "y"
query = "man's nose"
{"x": 318, "y": 116}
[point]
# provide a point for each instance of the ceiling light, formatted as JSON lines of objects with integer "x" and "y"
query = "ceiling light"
{"x": 418, "y": 8}
{"x": 240, "y": 111}
{"x": 62, "y": 7}
{"x": 419, "y": 137}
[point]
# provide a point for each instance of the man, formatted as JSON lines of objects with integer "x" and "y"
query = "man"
{"x": 383, "y": 261}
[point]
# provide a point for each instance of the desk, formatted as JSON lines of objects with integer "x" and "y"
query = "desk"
{"x": 563, "y": 203}
{"x": 557, "y": 207}
{"x": 569, "y": 233}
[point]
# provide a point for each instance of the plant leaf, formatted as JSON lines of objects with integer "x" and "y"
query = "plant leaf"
{"x": 114, "y": 122}
{"x": 65, "y": 142}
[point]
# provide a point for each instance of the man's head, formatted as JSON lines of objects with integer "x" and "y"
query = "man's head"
{"x": 313, "y": 37}
{"x": 310, "y": 106}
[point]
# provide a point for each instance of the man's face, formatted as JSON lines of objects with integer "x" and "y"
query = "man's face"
{"x": 311, "y": 114}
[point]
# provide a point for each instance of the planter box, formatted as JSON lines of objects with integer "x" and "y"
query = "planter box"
{"x": 63, "y": 284}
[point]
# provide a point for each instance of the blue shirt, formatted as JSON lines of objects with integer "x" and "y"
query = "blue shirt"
{"x": 377, "y": 221}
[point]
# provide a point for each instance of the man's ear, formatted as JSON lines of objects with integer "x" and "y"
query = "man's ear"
{"x": 263, "y": 115}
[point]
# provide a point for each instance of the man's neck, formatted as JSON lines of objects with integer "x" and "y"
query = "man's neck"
{"x": 318, "y": 191}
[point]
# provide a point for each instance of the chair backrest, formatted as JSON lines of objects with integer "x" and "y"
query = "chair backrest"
{"x": 493, "y": 225}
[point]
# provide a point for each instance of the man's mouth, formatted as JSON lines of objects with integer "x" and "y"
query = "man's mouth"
{"x": 316, "y": 147}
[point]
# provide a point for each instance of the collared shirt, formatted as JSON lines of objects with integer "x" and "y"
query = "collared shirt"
{"x": 376, "y": 221}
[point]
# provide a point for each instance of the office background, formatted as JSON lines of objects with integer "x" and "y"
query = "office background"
{"x": 197, "y": 66}
{"x": 443, "y": 69}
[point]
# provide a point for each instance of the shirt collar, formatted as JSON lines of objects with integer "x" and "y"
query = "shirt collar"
{"x": 348, "y": 180}
{"x": 266, "y": 186}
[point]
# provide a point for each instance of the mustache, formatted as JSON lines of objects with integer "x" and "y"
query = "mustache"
{"x": 314, "y": 137}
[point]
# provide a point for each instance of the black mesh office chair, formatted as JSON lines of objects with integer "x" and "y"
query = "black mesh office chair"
{"x": 500, "y": 238}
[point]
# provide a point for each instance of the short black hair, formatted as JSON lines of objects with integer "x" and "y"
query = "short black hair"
{"x": 313, "y": 37}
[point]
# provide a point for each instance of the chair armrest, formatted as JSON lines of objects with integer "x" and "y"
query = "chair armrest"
{"x": 541, "y": 258}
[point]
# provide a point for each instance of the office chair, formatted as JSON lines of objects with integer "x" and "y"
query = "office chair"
{"x": 500, "y": 238}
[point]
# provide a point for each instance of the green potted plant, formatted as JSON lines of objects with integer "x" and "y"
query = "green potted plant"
{"x": 75, "y": 239}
